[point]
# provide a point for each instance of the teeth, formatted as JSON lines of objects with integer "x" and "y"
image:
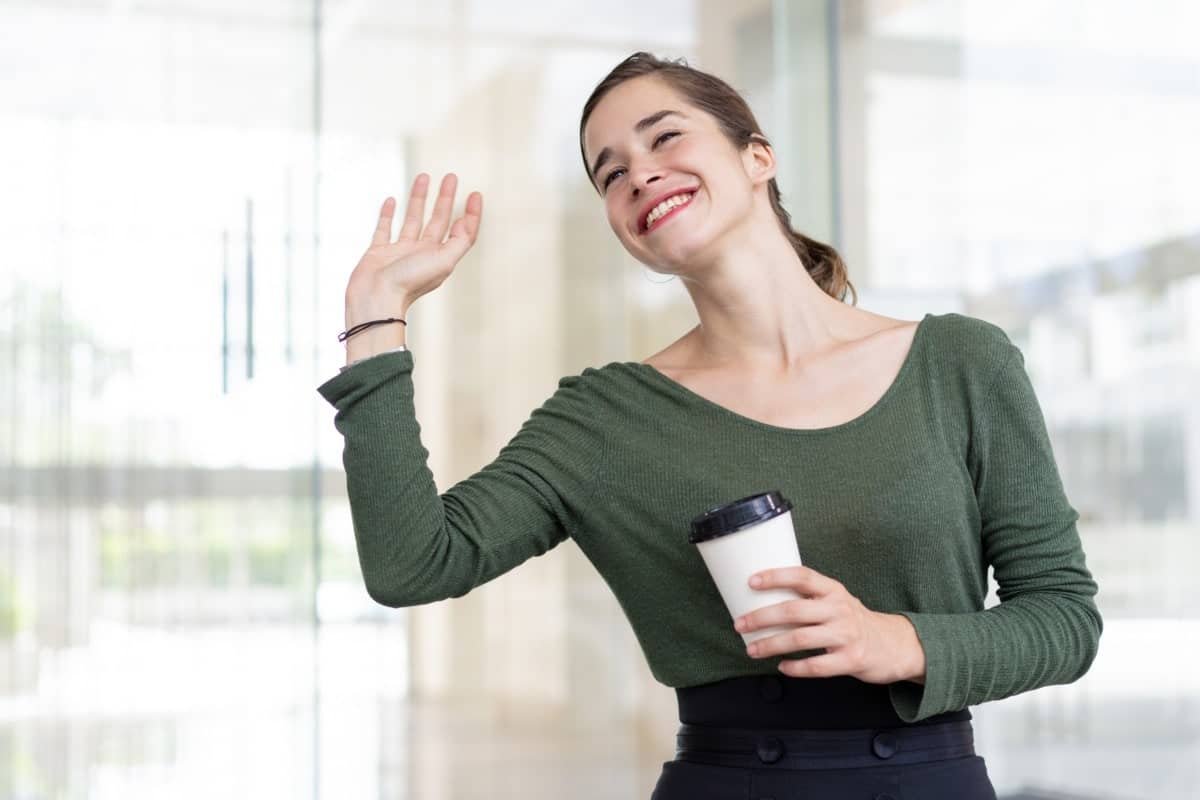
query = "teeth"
{"x": 667, "y": 205}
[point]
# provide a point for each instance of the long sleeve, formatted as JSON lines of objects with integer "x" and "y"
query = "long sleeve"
{"x": 360, "y": 360}
{"x": 416, "y": 546}
{"x": 1046, "y": 628}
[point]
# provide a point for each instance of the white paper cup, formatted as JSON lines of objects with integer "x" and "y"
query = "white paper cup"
{"x": 739, "y": 539}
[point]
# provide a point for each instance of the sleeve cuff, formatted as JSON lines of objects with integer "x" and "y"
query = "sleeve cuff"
{"x": 399, "y": 349}
{"x": 363, "y": 377}
{"x": 914, "y": 701}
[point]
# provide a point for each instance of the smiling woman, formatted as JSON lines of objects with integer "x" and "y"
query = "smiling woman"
{"x": 876, "y": 704}
{"x": 700, "y": 111}
{"x": 918, "y": 450}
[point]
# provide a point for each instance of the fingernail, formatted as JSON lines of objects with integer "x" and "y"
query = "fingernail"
{"x": 756, "y": 581}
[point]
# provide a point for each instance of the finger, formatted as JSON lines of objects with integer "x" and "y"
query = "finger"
{"x": 468, "y": 224}
{"x": 473, "y": 216}
{"x": 383, "y": 228}
{"x": 435, "y": 230}
{"x": 416, "y": 208}
{"x": 805, "y": 580}
{"x": 466, "y": 228}
{"x": 804, "y": 637}
{"x": 825, "y": 665}
{"x": 798, "y": 612}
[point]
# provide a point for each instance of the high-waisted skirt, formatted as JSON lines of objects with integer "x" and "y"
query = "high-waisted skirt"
{"x": 767, "y": 737}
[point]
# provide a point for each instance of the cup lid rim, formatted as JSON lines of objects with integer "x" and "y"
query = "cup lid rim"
{"x": 726, "y": 518}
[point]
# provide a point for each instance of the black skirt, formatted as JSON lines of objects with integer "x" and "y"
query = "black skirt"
{"x": 767, "y": 737}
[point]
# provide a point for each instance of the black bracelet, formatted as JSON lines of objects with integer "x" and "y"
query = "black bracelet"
{"x": 344, "y": 335}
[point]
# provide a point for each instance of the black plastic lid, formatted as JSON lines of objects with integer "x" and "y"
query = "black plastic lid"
{"x": 742, "y": 513}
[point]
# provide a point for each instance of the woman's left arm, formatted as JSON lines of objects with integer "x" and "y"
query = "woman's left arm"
{"x": 1046, "y": 628}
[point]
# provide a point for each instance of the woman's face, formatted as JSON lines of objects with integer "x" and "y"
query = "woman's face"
{"x": 673, "y": 155}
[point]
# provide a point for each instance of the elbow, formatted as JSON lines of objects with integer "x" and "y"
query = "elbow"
{"x": 1089, "y": 640}
{"x": 387, "y": 596}
{"x": 412, "y": 582}
{"x": 393, "y": 595}
{"x": 397, "y": 597}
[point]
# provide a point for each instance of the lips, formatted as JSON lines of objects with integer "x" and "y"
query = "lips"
{"x": 650, "y": 206}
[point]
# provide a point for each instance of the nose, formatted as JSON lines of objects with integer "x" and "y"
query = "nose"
{"x": 637, "y": 191}
{"x": 643, "y": 178}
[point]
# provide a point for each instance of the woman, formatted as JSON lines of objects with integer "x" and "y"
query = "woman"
{"x": 915, "y": 452}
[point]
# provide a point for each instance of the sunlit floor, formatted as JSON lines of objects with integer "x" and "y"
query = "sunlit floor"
{"x": 233, "y": 713}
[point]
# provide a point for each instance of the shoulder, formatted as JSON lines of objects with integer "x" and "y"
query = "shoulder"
{"x": 973, "y": 332}
{"x": 974, "y": 348}
{"x": 626, "y": 395}
{"x": 592, "y": 391}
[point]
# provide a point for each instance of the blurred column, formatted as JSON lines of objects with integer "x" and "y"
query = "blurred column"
{"x": 801, "y": 113}
{"x": 499, "y": 318}
{"x": 851, "y": 70}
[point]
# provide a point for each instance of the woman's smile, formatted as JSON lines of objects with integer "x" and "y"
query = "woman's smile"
{"x": 681, "y": 202}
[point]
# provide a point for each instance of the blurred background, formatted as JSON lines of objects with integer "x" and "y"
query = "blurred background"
{"x": 184, "y": 189}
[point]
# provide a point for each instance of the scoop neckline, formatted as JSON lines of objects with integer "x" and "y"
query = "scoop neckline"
{"x": 894, "y": 387}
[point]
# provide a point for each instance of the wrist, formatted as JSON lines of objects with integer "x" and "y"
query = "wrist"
{"x": 375, "y": 340}
{"x": 365, "y": 307}
{"x": 912, "y": 653}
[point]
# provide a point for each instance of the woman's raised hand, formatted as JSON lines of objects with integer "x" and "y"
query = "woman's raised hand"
{"x": 391, "y": 275}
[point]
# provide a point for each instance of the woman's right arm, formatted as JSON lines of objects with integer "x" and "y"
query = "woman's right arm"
{"x": 414, "y": 545}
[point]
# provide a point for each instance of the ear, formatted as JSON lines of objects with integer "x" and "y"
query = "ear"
{"x": 759, "y": 161}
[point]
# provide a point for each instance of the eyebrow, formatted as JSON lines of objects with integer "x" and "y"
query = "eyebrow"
{"x": 642, "y": 125}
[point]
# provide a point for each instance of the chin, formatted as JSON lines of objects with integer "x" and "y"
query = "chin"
{"x": 677, "y": 255}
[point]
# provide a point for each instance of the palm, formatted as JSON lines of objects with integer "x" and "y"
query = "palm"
{"x": 418, "y": 261}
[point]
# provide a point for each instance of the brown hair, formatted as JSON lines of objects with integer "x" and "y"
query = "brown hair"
{"x": 713, "y": 95}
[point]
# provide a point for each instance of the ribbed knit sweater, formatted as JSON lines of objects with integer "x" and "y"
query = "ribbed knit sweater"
{"x": 907, "y": 505}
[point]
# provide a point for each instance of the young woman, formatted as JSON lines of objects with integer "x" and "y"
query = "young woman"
{"x": 915, "y": 453}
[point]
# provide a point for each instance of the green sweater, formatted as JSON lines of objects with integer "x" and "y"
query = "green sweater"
{"x": 906, "y": 505}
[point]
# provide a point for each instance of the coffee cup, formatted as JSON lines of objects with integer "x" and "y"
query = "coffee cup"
{"x": 744, "y": 537}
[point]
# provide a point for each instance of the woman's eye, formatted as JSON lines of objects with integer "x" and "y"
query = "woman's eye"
{"x": 660, "y": 137}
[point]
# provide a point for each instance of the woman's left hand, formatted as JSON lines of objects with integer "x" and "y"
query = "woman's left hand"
{"x": 871, "y": 646}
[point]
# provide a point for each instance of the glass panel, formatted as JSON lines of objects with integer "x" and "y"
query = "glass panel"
{"x": 162, "y": 468}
